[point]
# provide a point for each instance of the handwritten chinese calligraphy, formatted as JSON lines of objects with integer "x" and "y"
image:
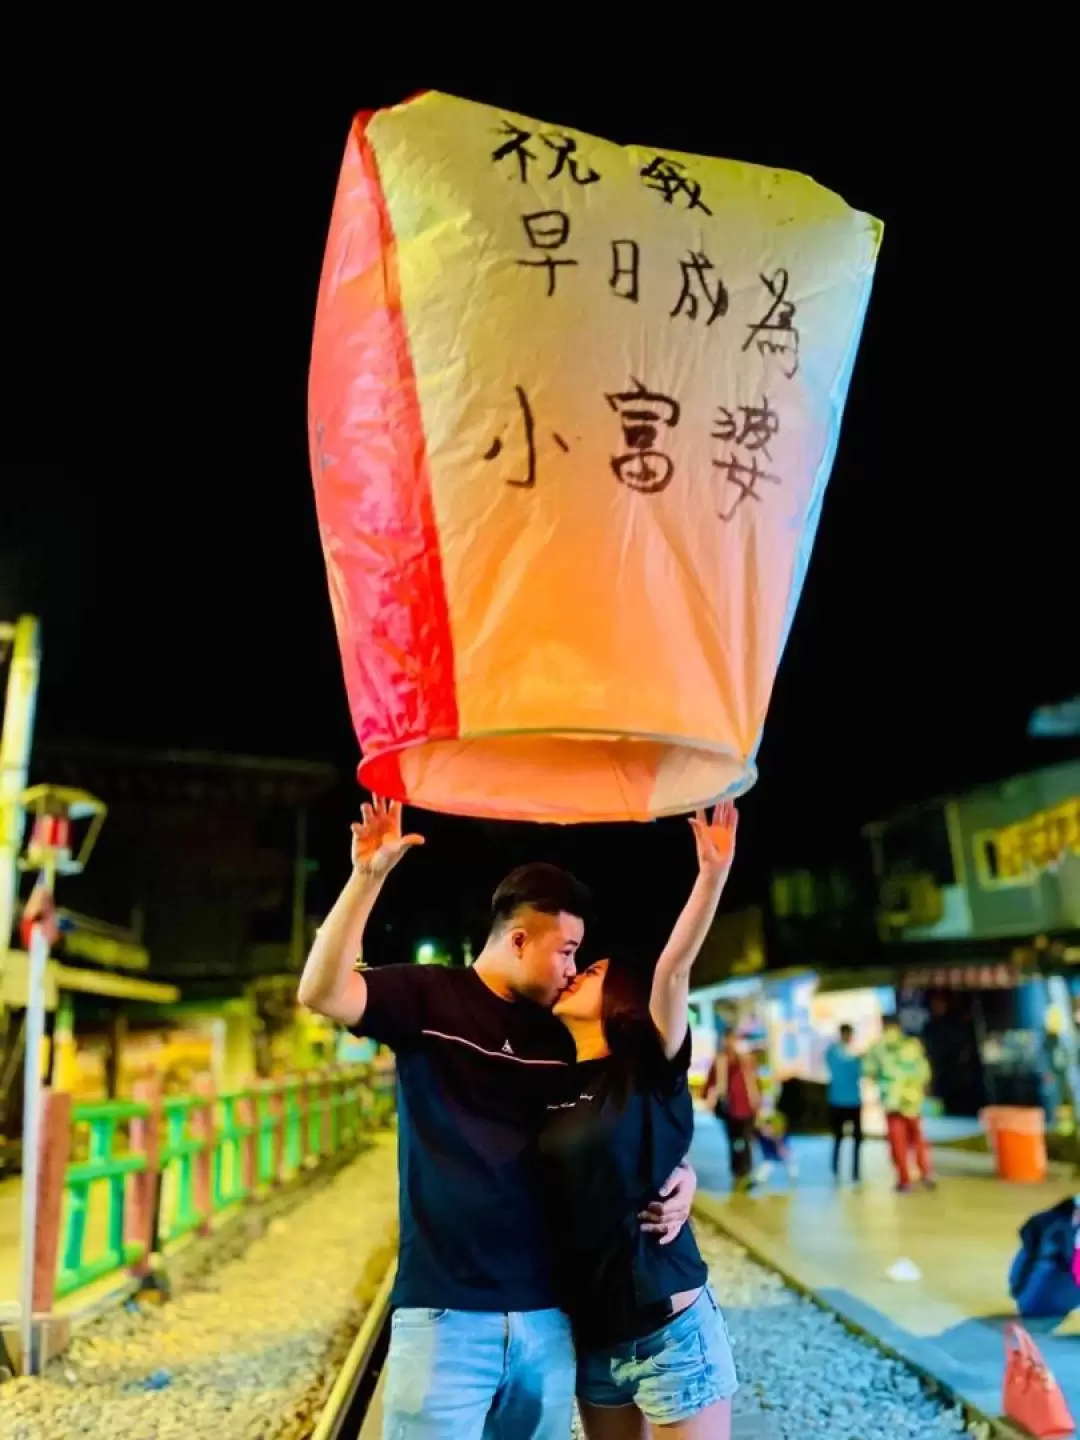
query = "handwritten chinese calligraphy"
{"x": 564, "y": 147}
{"x": 547, "y": 230}
{"x": 529, "y": 428}
{"x": 775, "y": 332}
{"x": 696, "y": 287}
{"x": 748, "y": 428}
{"x": 667, "y": 177}
{"x": 757, "y": 427}
{"x": 625, "y": 263}
{"x": 641, "y": 413}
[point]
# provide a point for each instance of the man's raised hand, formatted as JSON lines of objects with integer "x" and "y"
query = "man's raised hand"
{"x": 377, "y": 841}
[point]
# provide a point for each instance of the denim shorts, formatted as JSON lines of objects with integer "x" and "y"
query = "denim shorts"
{"x": 669, "y": 1375}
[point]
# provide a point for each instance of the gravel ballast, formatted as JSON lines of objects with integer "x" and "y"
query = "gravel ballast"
{"x": 249, "y": 1345}
{"x": 803, "y": 1374}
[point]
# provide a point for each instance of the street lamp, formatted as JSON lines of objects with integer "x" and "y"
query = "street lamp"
{"x": 56, "y": 815}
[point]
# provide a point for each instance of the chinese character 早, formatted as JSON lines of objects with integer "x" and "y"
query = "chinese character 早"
{"x": 642, "y": 413}
{"x": 547, "y": 230}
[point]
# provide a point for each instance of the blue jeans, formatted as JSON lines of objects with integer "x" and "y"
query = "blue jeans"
{"x": 670, "y": 1375}
{"x": 474, "y": 1375}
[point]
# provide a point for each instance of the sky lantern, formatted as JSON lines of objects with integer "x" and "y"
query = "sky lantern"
{"x": 573, "y": 406}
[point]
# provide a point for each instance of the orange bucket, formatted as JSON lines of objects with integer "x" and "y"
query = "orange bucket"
{"x": 1018, "y": 1138}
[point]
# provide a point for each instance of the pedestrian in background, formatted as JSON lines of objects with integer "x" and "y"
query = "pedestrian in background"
{"x": 845, "y": 1098}
{"x": 770, "y": 1125}
{"x": 899, "y": 1065}
{"x": 733, "y": 1091}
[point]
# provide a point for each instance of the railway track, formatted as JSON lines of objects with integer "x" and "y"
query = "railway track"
{"x": 353, "y": 1409}
{"x": 776, "y": 1326}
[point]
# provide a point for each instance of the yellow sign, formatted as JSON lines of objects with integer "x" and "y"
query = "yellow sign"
{"x": 1039, "y": 842}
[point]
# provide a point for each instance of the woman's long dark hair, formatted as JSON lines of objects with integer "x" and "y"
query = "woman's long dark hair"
{"x": 628, "y": 1027}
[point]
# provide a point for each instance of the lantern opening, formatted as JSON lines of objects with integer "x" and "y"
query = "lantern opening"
{"x": 559, "y": 778}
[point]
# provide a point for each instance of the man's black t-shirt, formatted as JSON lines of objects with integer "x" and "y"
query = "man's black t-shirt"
{"x": 474, "y": 1077}
{"x": 610, "y": 1144}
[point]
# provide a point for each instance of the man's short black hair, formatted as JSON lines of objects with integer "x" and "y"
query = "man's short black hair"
{"x": 846, "y": 1029}
{"x": 891, "y": 1019}
{"x": 541, "y": 887}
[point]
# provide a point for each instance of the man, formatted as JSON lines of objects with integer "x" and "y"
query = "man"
{"x": 845, "y": 1098}
{"x": 899, "y": 1065}
{"x": 477, "y": 1347}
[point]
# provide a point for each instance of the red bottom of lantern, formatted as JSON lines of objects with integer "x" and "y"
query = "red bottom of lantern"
{"x": 559, "y": 779}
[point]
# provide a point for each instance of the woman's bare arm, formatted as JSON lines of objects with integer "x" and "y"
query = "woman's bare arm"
{"x": 669, "y": 1003}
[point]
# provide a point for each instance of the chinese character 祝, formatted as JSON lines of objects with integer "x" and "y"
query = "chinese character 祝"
{"x": 564, "y": 146}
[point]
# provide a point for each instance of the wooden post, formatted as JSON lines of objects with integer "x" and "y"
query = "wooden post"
{"x": 52, "y": 1168}
{"x": 249, "y": 1117}
{"x": 203, "y": 1128}
{"x": 142, "y": 1199}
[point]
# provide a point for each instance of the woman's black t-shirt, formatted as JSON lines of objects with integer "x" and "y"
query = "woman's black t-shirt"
{"x": 609, "y": 1146}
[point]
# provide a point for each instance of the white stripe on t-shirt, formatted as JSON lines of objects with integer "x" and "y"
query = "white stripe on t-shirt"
{"x": 497, "y": 1054}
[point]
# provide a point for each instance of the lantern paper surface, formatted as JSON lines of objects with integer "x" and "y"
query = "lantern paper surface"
{"x": 573, "y": 406}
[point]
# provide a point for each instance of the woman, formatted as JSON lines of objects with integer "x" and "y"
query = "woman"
{"x": 732, "y": 1091}
{"x": 653, "y": 1351}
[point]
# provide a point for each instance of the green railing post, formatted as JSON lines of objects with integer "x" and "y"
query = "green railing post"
{"x": 178, "y": 1166}
{"x": 313, "y": 1136}
{"x": 268, "y": 1120}
{"x": 107, "y": 1167}
{"x": 293, "y": 1127}
{"x": 187, "y": 1156}
{"x": 277, "y": 1113}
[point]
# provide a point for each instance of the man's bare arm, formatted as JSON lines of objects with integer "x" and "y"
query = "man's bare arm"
{"x": 331, "y": 984}
{"x": 667, "y": 1216}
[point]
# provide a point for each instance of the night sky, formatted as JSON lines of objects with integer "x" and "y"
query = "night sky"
{"x": 175, "y": 560}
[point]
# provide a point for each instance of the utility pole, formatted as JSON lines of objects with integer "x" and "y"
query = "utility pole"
{"x": 23, "y": 666}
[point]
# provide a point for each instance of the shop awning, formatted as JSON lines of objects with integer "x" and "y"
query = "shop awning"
{"x": 966, "y": 975}
{"x": 15, "y": 969}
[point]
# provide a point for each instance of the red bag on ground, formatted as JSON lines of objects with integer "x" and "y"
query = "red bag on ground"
{"x": 1033, "y": 1398}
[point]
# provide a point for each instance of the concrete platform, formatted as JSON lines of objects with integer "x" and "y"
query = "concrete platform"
{"x": 839, "y": 1243}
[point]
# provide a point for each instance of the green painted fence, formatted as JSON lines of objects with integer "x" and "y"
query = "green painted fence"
{"x": 159, "y": 1168}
